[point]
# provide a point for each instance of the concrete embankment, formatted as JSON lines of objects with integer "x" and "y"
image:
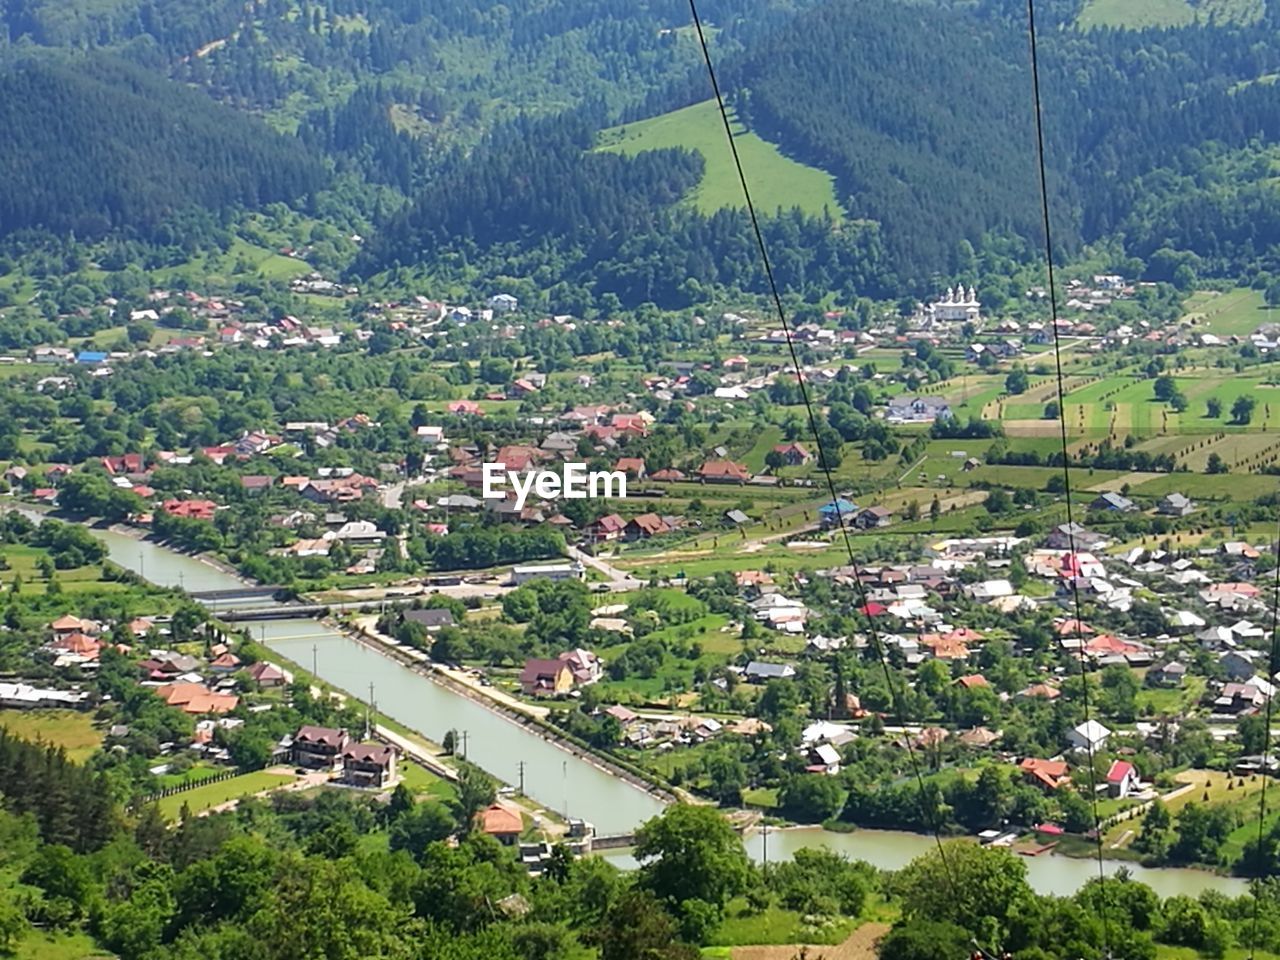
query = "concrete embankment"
{"x": 532, "y": 724}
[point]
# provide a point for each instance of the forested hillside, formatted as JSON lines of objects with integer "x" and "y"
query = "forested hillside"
{"x": 533, "y": 200}
{"x": 92, "y": 144}
{"x": 924, "y": 115}
{"x": 420, "y": 115}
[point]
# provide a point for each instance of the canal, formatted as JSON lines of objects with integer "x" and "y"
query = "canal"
{"x": 893, "y": 849}
{"x": 557, "y": 779}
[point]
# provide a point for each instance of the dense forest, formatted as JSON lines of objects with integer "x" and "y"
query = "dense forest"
{"x": 924, "y": 113}
{"x": 1157, "y": 140}
{"x": 93, "y": 144}
{"x": 333, "y": 874}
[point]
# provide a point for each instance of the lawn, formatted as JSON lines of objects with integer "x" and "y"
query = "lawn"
{"x": 207, "y": 797}
{"x": 1165, "y": 702}
{"x": 70, "y": 729}
{"x": 776, "y": 180}
{"x": 768, "y": 438}
{"x": 422, "y": 781}
{"x": 773, "y": 925}
{"x": 46, "y": 945}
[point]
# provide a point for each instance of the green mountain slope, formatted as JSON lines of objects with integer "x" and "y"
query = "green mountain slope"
{"x": 92, "y": 144}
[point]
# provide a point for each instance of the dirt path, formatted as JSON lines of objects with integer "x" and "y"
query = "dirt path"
{"x": 861, "y": 945}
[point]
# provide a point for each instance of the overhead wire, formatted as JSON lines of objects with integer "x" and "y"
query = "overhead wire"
{"x": 895, "y": 692}
{"x": 1269, "y": 752}
{"x": 1074, "y": 578}
{"x": 929, "y": 810}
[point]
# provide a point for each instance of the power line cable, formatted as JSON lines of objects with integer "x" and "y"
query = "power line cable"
{"x": 929, "y": 809}
{"x": 1075, "y": 571}
{"x": 1268, "y": 749}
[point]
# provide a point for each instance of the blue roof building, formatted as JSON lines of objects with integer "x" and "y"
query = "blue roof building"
{"x": 91, "y": 357}
{"x": 830, "y": 513}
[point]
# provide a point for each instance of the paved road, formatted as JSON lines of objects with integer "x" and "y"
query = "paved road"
{"x": 393, "y": 495}
{"x": 615, "y": 575}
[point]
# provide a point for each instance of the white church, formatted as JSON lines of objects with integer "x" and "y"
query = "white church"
{"x": 958, "y": 306}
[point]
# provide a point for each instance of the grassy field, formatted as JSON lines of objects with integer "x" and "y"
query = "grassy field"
{"x": 777, "y": 181}
{"x": 69, "y": 729}
{"x": 773, "y": 925}
{"x": 1236, "y": 312}
{"x": 423, "y": 782}
{"x": 47, "y": 945}
{"x": 22, "y": 561}
{"x": 1135, "y": 13}
{"x": 207, "y": 797}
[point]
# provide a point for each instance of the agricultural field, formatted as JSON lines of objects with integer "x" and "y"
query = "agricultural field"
{"x": 72, "y": 730}
{"x": 1236, "y": 312}
{"x": 776, "y": 180}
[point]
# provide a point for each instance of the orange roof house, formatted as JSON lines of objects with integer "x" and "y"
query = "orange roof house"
{"x": 631, "y": 466}
{"x": 793, "y": 454}
{"x": 196, "y": 699}
{"x": 1105, "y": 645}
{"x": 79, "y": 644}
{"x": 191, "y": 509}
{"x": 943, "y": 647}
{"x": 724, "y": 471}
{"x": 67, "y": 624}
{"x": 1072, "y": 627}
{"x": 501, "y": 822}
{"x": 1046, "y": 774}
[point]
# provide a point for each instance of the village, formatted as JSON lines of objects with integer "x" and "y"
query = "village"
{"x": 707, "y": 632}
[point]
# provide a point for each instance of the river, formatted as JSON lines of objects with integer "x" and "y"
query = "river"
{"x": 556, "y": 778}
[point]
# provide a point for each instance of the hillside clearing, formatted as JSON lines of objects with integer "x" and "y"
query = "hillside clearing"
{"x": 776, "y": 180}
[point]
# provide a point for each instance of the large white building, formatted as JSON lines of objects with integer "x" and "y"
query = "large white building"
{"x": 958, "y": 306}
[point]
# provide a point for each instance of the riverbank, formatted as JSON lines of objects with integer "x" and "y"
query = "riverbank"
{"x": 415, "y": 747}
{"x": 143, "y": 536}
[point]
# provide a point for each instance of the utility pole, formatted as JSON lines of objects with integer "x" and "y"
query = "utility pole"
{"x": 368, "y": 715}
{"x": 464, "y": 744}
{"x": 142, "y": 567}
{"x": 314, "y": 672}
{"x": 520, "y": 766}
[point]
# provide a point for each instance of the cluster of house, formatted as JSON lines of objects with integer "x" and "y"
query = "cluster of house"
{"x": 668, "y": 732}
{"x": 334, "y": 751}
{"x": 1208, "y": 584}
{"x": 561, "y": 676}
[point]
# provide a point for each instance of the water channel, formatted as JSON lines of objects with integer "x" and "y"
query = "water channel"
{"x": 559, "y": 780}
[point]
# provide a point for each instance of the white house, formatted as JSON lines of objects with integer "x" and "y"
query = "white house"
{"x": 1122, "y": 778}
{"x": 1090, "y": 736}
{"x": 503, "y": 303}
